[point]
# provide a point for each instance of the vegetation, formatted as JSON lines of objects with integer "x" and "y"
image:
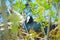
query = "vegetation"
{"x": 47, "y": 11}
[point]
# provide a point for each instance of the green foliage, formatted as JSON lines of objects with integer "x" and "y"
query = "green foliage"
{"x": 19, "y": 6}
{"x": 46, "y": 5}
{"x": 52, "y": 13}
{"x": 15, "y": 29}
{"x": 56, "y": 0}
{"x": 39, "y": 10}
{"x": 15, "y": 24}
{"x": 56, "y": 19}
{"x": 33, "y": 8}
{"x": 14, "y": 18}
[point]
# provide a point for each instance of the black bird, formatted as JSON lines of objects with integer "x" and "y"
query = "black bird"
{"x": 30, "y": 23}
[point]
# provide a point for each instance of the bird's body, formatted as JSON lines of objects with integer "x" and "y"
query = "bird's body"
{"x": 30, "y": 24}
